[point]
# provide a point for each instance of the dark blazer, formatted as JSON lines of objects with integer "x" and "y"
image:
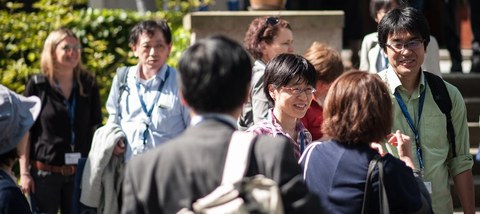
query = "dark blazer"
{"x": 177, "y": 173}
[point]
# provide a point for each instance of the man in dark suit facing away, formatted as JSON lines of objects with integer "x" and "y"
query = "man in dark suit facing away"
{"x": 214, "y": 79}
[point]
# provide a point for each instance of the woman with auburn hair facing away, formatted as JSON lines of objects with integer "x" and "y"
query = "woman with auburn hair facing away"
{"x": 289, "y": 83}
{"x": 63, "y": 132}
{"x": 266, "y": 37}
{"x": 357, "y": 113}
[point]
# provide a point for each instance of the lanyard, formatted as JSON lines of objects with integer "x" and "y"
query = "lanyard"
{"x": 302, "y": 142}
{"x": 155, "y": 100}
{"x": 71, "y": 114}
{"x": 410, "y": 122}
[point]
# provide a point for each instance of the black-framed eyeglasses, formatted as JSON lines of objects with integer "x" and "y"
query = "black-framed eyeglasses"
{"x": 269, "y": 21}
{"x": 72, "y": 47}
{"x": 410, "y": 45}
{"x": 298, "y": 90}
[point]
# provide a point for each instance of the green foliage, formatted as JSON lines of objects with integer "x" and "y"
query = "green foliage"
{"x": 103, "y": 33}
{"x": 183, "y": 6}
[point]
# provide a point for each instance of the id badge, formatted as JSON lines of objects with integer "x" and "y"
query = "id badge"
{"x": 72, "y": 158}
{"x": 165, "y": 102}
{"x": 428, "y": 185}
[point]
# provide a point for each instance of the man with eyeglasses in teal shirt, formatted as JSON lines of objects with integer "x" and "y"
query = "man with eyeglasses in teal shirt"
{"x": 403, "y": 34}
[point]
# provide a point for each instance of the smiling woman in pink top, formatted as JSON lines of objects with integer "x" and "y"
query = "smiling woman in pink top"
{"x": 289, "y": 83}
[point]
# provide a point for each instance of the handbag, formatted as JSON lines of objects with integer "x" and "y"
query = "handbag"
{"x": 236, "y": 193}
{"x": 383, "y": 199}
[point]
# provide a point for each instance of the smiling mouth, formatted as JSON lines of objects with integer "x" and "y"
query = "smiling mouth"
{"x": 300, "y": 106}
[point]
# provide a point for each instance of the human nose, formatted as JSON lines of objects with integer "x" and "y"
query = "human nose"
{"x": 152, "y": 51}
{"x": 290, "y": 48}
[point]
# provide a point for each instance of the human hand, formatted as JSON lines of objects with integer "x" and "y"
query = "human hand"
{"x": 119, "y": 148}
{"x": 403, "y": 143}
{"x": 26, "y": 183}
{"x": 379, "y": 148}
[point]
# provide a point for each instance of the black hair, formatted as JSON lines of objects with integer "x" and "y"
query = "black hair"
{"x": 215, "y": 75}
{"x": 149, "y": 27}
{"x": 406, "y": 19}
{"x": 9, "y": 157}
{"x": 285, "y": 68}
{"x": 377, "y": 5}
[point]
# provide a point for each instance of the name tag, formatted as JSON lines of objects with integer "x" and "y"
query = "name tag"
{"x": 72, "y": 158}
{"x": 428, "y": 185}
{"x": 165, "y": 102}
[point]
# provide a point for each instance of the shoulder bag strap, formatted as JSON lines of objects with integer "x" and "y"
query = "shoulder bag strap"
{"x": 238, "y": 154}
{"x": 383, "y": 199}
{"x": 384, "y": 206}
{"x": 122, "y": 74}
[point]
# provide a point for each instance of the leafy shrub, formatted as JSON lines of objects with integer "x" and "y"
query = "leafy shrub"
{"x": 103, "y": 33}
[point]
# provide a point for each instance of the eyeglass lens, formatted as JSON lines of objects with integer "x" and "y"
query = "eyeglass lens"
{"x": 413, "y": 44}
{"x": 72, "y": 47}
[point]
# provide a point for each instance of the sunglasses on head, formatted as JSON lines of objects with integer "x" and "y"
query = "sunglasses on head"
{"x": 272, "y": 20}
{"x": 269, "y": 21}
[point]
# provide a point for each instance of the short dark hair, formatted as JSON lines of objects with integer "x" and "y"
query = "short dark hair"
{"x": 262, "y": 30}
{"x": 377, "y": 5}
{"x": 285, "y": 68}
{"x": 358, "y": 109}
{"x": 215, "y": 75}
{"x": 399, "y": 20}
{"x": 149, "y": 27}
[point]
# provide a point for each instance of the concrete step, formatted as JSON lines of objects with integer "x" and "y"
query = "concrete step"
{"x": 468, "y": 84}
{"x": 474, "y": 130}
{"x": 473, "y": 108}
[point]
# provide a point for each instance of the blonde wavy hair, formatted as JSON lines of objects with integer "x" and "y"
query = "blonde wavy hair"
{"x": 47, "y": 62}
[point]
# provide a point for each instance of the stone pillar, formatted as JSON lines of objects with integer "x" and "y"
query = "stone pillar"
{"x": 308, "y": 26}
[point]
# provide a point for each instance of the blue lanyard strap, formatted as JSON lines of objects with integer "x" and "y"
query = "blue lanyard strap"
{"x": 71, "y": 114}
{"x": 155, "y": 100}
{"x": 411, "y": 124}
{"x": 302, "y": 142}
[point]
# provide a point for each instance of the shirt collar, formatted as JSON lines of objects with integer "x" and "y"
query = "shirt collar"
{"x": 278, "y": 128}
{"x": 224, "y": 117}
{"x": 160, "y": 75}
{"x": 393, "y": 82}
{"x": 260, "y": 64}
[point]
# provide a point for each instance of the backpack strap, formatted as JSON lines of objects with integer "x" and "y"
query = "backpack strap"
{"x": 121, "y": 86}
{"x": 442, "y": 98}
{"x": 238, "y": 154}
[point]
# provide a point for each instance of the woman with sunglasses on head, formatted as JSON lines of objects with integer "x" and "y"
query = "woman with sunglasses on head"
{"x": 289, "y": 83}
{"x": 63, "y": 132}
{"x": 266, "y": 38}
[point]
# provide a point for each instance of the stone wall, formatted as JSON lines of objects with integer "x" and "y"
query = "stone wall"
{"x": 308, "y": 26}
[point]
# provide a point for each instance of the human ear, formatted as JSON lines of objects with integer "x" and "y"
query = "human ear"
{"x": 272, "y": 91}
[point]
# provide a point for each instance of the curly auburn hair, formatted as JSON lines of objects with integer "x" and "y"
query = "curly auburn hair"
{"x": 261, "y": 30}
